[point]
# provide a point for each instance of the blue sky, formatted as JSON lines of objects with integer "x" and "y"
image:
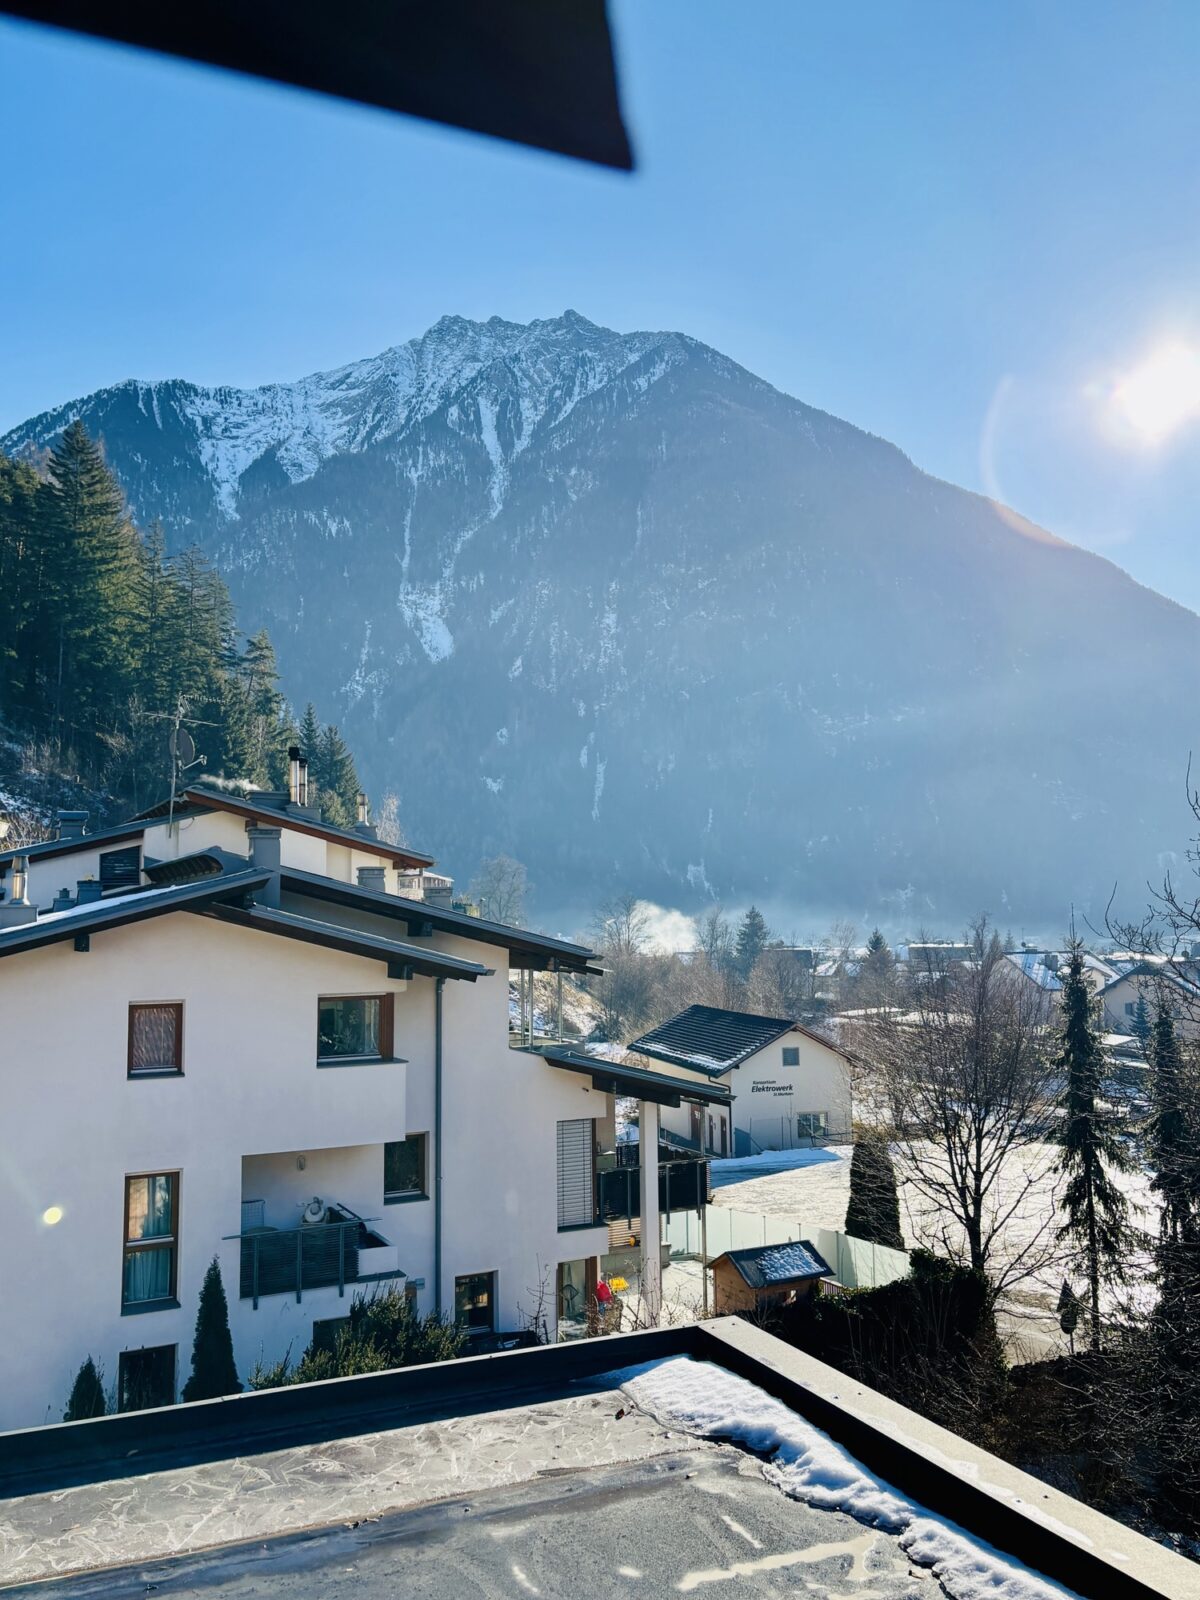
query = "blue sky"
{"x": 960, "y": 227}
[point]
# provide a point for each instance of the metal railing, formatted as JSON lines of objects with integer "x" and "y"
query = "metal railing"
{"x": 290, "y": 1260}
{"x": 682, "y": 1186}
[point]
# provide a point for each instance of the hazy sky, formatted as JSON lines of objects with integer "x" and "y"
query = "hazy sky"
{"x": 974, "y": 230}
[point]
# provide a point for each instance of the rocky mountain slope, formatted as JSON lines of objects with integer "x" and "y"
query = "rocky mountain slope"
{"x": 615, "y": 605}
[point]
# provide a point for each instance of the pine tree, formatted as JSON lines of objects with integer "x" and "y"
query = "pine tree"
{"x": 877, "y": 974}
{"x": 1140, "y": 1025}
{"x": 339, "y": 780}
{"x": 1097, "y": 1212}
{"x": 213, "y": 1369}
{"x": 752, "y": 936}
{"x": 873, "y": 1212}
{"x": 87, "y": 1394}
{"x": 310, "y": 741}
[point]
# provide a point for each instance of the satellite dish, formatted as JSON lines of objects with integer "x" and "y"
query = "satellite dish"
{"x": 183, "y": 747}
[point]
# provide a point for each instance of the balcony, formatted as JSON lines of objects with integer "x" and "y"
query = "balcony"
{"x": 682, "y": 1186}
{"x": 338, "y": 1249}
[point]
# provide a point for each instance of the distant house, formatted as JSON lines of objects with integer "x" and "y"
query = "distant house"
{"x": 766, "y": 1276}
{"x": 790, "y": 1086}
{"x": 1148, "y": 979}
{"x": 1039, "y": 968}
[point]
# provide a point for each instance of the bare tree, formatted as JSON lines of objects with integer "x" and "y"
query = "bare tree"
{"x": 967, "y": 1077}
{"x": 620, "y": 925}
{"x": 499, "y": 888}
{"x": 387, "y": 820}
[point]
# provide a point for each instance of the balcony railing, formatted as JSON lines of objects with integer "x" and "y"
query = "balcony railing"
{"x": 291, "y": 1260}
{"x": 682, "y": 1186}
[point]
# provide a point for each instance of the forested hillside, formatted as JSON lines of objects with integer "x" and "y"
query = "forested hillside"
{"x": 106, "y": 641}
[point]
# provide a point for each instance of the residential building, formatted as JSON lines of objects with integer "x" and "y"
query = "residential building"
{"x": 789, "y": 1086}
{"x": 1154, "y": 981}
{"x": 233, "y": 1031}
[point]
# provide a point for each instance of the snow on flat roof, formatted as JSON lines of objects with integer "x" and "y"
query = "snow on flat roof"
{"x": 807, "y": 1465}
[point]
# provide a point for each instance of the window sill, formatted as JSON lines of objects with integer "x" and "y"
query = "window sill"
{"x": 361, "y": 1061}
{"x": 403, "y": 1199}
{"x": 581, "y": 1227}
{"x": 141, "y": 1307}
{"x": 155, "y": 1072}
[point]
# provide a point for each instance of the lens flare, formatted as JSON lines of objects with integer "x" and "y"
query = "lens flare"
{"x": 1161, "y": 395}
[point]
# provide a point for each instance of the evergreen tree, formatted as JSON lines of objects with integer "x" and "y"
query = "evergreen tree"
{"x": 1069, "y": 1307}
{"x": 213, "y": 1369}
{"x": 873, "y": 1212}
{"x": 752, "y": 936}
{"x": 338, "y": 780}
{"x": 310, "y": 741}
{"x": 876, "y": 981}
{"x": 1097, "y": 1212}
{"x": 1140, "y": 1025}
{"x": 87, "y": 1394}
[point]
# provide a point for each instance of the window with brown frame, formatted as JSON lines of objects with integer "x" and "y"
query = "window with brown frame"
{"x": 354, "y": 1027}
{"x": 155, "y": 1039}
{"x": 148, "y": 1278}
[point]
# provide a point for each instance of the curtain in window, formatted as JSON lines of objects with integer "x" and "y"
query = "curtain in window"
{"x": 150, "y": 1208}
{"x": 152, "y": 1038}
{"x": 148, "y": 1275}
{"x": 348, "y": 1027}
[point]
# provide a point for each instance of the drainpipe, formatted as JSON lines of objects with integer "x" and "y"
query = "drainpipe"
{"x": 437, "y": 1145}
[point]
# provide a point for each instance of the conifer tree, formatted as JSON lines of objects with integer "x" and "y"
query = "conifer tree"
{"x": 1097, "y": 1212}
{"x": 873, "y": 1212}
{"x": 310, "y": 741}
{"x": 87, "y": 1394}
{"x": 752, "y": 936}
{"x": 213, "y": 1369}
{"x": 1140, "y": 1025}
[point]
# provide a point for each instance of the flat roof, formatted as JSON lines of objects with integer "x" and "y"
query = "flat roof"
{"x": 621, "y": 1464}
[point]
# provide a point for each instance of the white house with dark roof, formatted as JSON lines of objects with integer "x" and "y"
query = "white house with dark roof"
{"x": 250, "y": 1036}
{"x": 788, "y": 1086}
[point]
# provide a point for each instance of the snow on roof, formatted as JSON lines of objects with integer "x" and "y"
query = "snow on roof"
{"x": 763, "y": 1266}
{"x": 1033, "y": 964}
{"x": 809, "y": 1466}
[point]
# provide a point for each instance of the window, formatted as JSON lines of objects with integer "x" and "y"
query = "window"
{"x": 155, "y": 1040}
{"x": 475, "y": 1302}
{"x": 404, "y": 1170}
{"x": 1131, "y": 1008}
{"x": 576, "y": 1173}
{"x": 146, "y": 1378}
{"x": 354, "y": 1027}
{"x": 151, "y": 1237}
{"x": 326, "y": 1331}
{"x": 712, "y": 1132}
{"x": 812, "y": 1124}
{"x": 791, "y": 1055}
{"x": 121, "y": 869}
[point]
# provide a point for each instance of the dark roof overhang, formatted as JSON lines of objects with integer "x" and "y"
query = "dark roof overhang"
{"x": 615, "y": 1077}
{"x": 535, "y": 950}
{"x": 48, "y": 848}
{"x": 540, "y": 73}
{"x": 403, "y": 960}
{"x": 119, "y": 910}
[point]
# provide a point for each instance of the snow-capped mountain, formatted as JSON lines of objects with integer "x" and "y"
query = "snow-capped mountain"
{"x": 612, "y": 603}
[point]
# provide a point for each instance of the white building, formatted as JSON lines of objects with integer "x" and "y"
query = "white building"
{"x": 789, "y": 1086}
{"x": 227, "y": 1032}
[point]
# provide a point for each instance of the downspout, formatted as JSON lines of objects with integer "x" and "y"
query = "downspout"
{"x": 437, "y": 1145}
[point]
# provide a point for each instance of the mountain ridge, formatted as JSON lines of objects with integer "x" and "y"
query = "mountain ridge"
{"x": 613, "y": 603}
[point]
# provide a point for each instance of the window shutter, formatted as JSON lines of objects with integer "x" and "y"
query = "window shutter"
{"x": 387, "y": 1026}
{"x": 576, "y": 1166}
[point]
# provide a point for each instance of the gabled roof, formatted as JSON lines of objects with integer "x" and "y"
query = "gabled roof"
{"x": 712, "y": 1040}
{"x": 614, "y": 1077}
{"x": 1156, "y": 971}
{"x": 774, "y": 1266}
{"x": 84, "y": 841}
{"x": 535, "y": 949}
{"x": 115, "y": 911}
{"x": 404, "y": 960}
{"x": 1033, "y": 965}
{"x": 274, "y": 810}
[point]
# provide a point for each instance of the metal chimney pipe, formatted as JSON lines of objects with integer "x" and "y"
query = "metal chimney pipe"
{"x": 302, "y": 782}
{"x": 364, "y": 810}
{"x": 294, "y": 774}
{"x": 20, "y": 880}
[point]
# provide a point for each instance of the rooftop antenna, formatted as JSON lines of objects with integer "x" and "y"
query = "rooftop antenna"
{"x": 183, "y": 755}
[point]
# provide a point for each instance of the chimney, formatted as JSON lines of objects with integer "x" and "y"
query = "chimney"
{"x": 62, "y": 900}
{"x": 16, "y": 910}
{"x": 302, "y": 782}
{"x": 265, "y": 847}
{"x": 364, "y": 811}
{"x": 88, "y": 890}
{"x": 294, "y": 774}
{"x": 70, "y": 824}
{"x": 373, "y": 878}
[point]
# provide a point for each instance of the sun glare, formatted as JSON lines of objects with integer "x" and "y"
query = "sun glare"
{"x": 1160, "y": 396}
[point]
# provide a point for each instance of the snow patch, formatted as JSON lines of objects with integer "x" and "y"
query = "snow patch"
{"x": 808, "y": 1465}
{"x": 494, "y": 784}
{"x": 422, "y": 610}
{"x": 598, "y": 788}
